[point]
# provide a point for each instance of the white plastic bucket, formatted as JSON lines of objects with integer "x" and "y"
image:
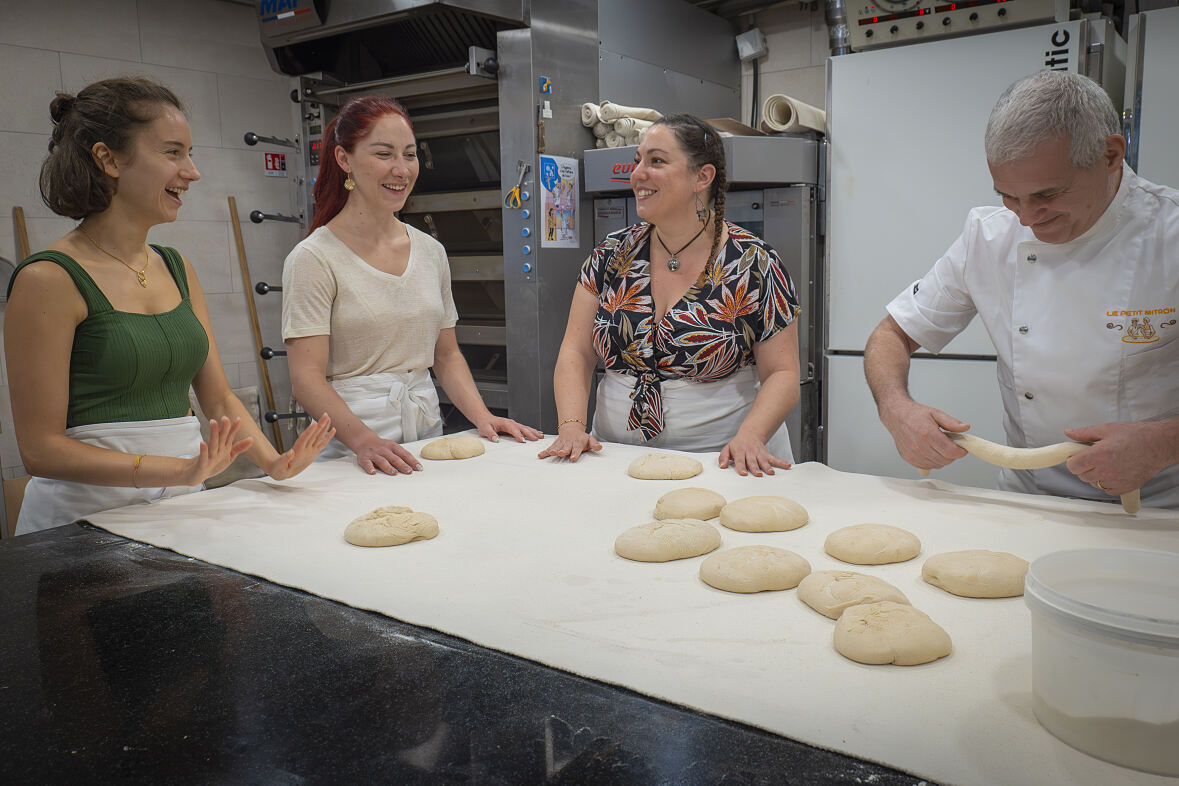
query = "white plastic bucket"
{"x": 1105, "y": 653}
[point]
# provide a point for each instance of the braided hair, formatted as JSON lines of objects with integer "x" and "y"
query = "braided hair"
{"x": 702, "y": 144}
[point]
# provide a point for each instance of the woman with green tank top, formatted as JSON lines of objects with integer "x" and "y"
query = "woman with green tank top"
{"x": 104, "y": 335}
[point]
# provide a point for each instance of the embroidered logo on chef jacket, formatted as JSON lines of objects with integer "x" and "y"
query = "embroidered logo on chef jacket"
{"x": 1139, "y": 329}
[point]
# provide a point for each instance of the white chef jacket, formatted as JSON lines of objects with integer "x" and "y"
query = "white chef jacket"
{"x": 1085, "y": 332}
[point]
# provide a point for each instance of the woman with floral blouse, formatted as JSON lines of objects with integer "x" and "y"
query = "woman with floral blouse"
{"x": 692, "y": 317}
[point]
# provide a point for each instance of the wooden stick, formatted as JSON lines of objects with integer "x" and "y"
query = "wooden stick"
{"x": 245, "y": 266}
{"x": 22, "y": 234}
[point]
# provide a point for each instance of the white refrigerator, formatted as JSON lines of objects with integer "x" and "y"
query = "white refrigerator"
{"x": 905, "y": 165}
{"x": 1152, "y": 94}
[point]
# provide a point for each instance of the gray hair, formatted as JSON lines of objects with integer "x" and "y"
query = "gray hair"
{"x": 1048, "y": 105}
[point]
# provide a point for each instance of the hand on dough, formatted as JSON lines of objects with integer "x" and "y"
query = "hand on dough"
{"x": 1124, "y": 456}
{"x": 917, "y": 431}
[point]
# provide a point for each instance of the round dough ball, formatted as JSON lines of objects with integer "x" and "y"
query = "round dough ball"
{"x": 664, "y": 466}
{"x": 690, "y": 503}
{"x": 872, "y": 544}
{"x": 977, "y": 573}
{"x": 663, "y": 541}
{"x": 754, "y": 569}
{"x": 390, "y": 525}
{"x": 764, "y": 514}
{"x": 888, "y": 632}
{"x": 453, "y": 448}
{"x": 829, "y": 592}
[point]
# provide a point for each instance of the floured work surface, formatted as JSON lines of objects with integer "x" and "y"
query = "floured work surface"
{"x": 524, "y": 563}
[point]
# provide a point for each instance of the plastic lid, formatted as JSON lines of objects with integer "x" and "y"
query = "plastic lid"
{"x": 1130, "y": 594}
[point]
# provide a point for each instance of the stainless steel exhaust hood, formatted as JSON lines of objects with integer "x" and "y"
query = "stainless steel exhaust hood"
{"x": 359, "y": 40}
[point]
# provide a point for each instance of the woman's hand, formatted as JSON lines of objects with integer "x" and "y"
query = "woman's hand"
{"x": 218, "y": 453}
{"x": 493, "y": 427}
{"x": 385, "y": 455}
{"x": 749, "y": 455}
{"x": 313, "y": 439}
{"x": 570, "y": 443}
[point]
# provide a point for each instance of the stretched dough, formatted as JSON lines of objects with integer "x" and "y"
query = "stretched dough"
{"x": 754, "y": 569}
{"x": 888, "y": 632}
{"x": 390, "y": 525}
{"x": 1030, "y": 458}
{"x": 663, "y": 541}
{"x": 976, "y": 573}
{"x": 453, "y": 448}
{"x": 763, "y": 514}
{"x": 829, "y": 592}
{"x": 689, "y": 503}
{"x": 1016, "y": 458}
{"x": 664, "y": 466}
{"x": 872, "y": 544}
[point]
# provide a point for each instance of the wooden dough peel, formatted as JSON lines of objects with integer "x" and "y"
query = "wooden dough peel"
{"x": 1029, "y": 458}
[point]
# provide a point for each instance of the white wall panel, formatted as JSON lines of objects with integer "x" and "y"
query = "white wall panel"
{"x": 1158, "y": 157}
{"x": 858, "y": 442}
{"x": 907, "y": 163}
{"x": 220, "y": 37}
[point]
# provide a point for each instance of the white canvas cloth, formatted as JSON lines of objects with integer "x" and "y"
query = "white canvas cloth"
{"x": 524, "y": 563}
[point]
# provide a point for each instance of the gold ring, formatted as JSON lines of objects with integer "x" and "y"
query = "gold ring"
{"x": 1098, "y": 484}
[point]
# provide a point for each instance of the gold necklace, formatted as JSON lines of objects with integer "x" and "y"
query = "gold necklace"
{"x": 140, "y": 274}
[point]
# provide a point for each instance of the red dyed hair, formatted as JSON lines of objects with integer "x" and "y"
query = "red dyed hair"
{"x": 352, "y": 123}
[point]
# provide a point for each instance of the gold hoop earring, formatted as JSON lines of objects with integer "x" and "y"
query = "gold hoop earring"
{"x": 349, "y": 183}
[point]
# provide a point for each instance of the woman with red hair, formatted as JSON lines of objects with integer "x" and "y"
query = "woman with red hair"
{"x": 367, "y": 308}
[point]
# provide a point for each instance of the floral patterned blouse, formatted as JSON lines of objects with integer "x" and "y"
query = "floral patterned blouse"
{"x": 744, "y": 296}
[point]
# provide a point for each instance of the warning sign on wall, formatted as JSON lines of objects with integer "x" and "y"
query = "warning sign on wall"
{"x": 276, "y": 164}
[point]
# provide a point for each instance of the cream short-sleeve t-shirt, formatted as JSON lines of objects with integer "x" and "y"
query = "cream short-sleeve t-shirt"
{"x": 375, "y": 321}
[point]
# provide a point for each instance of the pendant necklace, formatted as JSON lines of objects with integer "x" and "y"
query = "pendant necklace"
{"x": 140, "y": 274}
{"x": 673, "y": 264}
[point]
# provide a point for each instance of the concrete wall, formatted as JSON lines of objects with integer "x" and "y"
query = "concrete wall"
{"x": 209, "y": 53}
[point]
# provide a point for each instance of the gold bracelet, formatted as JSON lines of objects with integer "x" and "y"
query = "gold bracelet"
{"x": 135, "y": 470}
{"x": 572, "y": 420}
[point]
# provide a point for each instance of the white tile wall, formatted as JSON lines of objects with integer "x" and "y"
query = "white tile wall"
{"x": 108, "y": 28}
{"x": 32, "y": 76}
{"x": 197, "y": 90}
{"x": 21, "y": 155}
{"x": 209, "y": 53}
{"x": 254, "y": 105}
{"x": 206, "y": 245}
{"x": 219, "y": 37}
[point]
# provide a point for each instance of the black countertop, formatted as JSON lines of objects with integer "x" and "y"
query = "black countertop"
{"x": 124, "y": 663}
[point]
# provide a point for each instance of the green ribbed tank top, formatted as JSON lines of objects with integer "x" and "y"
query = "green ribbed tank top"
{"x": 126, "y": 366}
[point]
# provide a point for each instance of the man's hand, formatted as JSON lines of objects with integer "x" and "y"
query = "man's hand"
{"x": 917, "y": 431}
{"x": 1124, "y": 456}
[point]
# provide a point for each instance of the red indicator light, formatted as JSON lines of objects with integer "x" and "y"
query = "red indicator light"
{"x": 875, "y": 19}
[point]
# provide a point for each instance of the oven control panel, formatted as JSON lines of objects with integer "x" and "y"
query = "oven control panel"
{"x": 873, "y": 24}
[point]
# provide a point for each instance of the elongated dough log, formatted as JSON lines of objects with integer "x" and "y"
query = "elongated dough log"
{"x": 1016, "y": 458}
{"x": 1031, "y": 458}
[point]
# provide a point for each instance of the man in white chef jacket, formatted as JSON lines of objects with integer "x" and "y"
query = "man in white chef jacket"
{"x": 1076, "y": 280}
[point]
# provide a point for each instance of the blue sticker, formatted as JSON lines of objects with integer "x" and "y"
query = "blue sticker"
{"x": 544, "y": 84}
{"x": 549, "y": 176}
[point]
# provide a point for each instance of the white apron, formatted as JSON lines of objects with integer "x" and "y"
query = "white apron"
{"x": 699, "y": 417}
{"x": 52, "y": 503}
{"x": 402, "y": 407}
